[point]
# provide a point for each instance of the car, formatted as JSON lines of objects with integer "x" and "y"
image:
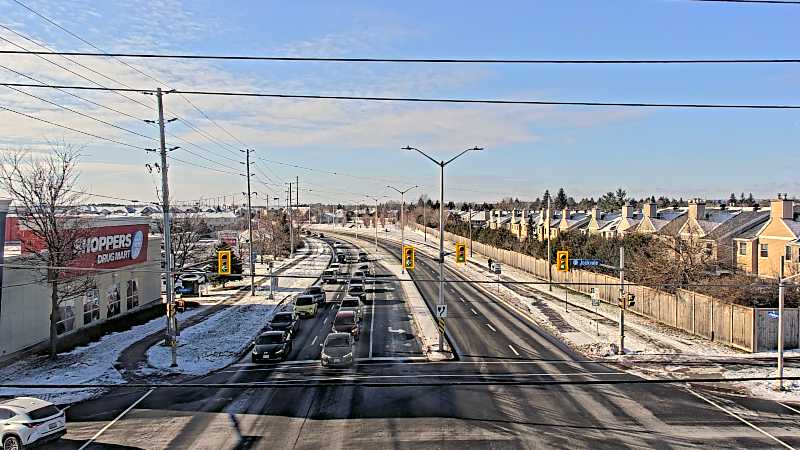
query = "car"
{"x": 271, "y": 346}
{"x": 352, "y": 304}
{"x": 338, "y": 350}
{"x": 28, "y": 421}
{"x": 317, "y": 292}
{"x": 357, "y": 290}
{"x": 365, "y": 268}
{"x": 284, "y": 321}
{"x": 330, "y": 276}
{"x": 362, "y": 256}
{"x": 322, "y": 235}
{"x": 305, "y": 306}
{"x": 335, "y": 266}
{"x": 352, "y": 259}
{"x": 358, "y": 275}
{"x": 341, "y": 257}
{"x": 346, "y": 322}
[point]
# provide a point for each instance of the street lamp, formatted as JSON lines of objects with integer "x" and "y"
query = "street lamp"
{"x": 441, "y": 165}
{"x": 376, "y": 217}
{"x": 402, "y": 218}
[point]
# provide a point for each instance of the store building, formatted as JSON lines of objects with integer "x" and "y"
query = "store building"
{"x": 129, "y": 282}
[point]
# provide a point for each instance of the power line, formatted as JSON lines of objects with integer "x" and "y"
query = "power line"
{"x": 70, "y": 128}
{"x": 202, "y": 166}
{"x": 437, "y": 100}
{"x": 442, "y": 60}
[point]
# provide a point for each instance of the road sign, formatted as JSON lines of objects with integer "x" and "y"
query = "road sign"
{"x": 562, "y": 261}
{"x": 496, "y": 268}
{"x": 224, "y": 262}
{"x": 441, "y": 325}
{"x": 441, "y": 311}
{"x": 585, "y": 262}
{"x": 595, "y": 302}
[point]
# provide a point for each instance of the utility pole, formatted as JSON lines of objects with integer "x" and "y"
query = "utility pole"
{"x": 623, "y": 301}
{"x": 424, "y": 222}
{"x": 470, "y": 230}
{"x": 441, "y": 165}
{"x": 549, "y": 252}
{"x": 402, "y": 221}
{"x": 171, "y": 328}
{"x": 375, "y": 218}
{"x": 291, "y": 226}
{"x": 250, "y": 223}
{"x": 781, "y": 295}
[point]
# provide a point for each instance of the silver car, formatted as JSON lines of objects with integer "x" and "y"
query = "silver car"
{"x": 338, "y": 350}
{"x": 26, "y": 421}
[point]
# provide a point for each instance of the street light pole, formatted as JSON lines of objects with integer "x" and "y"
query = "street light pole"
{"x": 375, "y": 218}
{"x": 441, "y": 165}
{"x": 250, "y": 223}
{"x": 402, "y": 219}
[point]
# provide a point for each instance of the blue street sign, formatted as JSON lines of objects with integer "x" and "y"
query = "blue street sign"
{"x": 772, "y": 315}
{"x": 584, "y": 262}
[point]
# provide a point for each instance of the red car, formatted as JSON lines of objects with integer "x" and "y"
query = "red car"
{"x": 347, "y": 322}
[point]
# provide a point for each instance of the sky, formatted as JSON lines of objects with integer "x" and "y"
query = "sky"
{"x": 586, "y": 150}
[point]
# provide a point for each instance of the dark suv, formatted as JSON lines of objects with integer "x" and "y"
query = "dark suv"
{"x": 271, "y": 346}
{"x": 284, "y": 321}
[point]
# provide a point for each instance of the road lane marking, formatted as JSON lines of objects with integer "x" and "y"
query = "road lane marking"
{"x": 325, "y": 321}
{"x": 789, "y": 407}
{"x": 314, "y": 341}
{"x": 109, "y": 424}
{"x": 473, "y": 311}
{"x": 734, "y": 415}
{"x": 491, "y": 327}
{"x": 462, "y": 300}
{"x": 513, "y": 350}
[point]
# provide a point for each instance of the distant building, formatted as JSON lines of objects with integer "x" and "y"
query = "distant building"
{"x": 759, "y": 249}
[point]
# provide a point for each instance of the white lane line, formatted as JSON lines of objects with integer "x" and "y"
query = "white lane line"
{"x": 491, "y": 327}
{"x": 462, "y": 300}
{"x": 732, "y": 414}
{"x": 789, "y": 407}
{"x": 109, "y": 424}
{"x": 473, "y": 311}
{"x": 371, "y": 323}
{"x": 513, "y": 350}
{"x": 314, "y": 341}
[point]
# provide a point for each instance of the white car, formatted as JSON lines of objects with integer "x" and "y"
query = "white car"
{"x": 28, "y": 420}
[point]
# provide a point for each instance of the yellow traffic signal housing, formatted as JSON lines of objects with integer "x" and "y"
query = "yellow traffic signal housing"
{"x": 224, "y": 262}
{"x": 461, "y": 253}
{"x": 408, "y": 257}
{"x": 562, "y": 261}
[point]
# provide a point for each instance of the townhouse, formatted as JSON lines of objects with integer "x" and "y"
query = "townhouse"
{"x": 760, "y": 250}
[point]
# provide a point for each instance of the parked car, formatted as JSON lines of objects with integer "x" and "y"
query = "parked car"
{"x": 338, "y": 350}
{"x": 305, "y": 306}
{"x": 284, "y": 321}
{"x": 27, "y": 421}
{"x": 362, "y": 256}
{"x": 271, "y": 346}
{"x": 346, "y": 322}
{"x": 352, "y": 304}
{"x": 330, "y": 276}
{"x": 357, "y": 290}
{"x": 317, "y": 292}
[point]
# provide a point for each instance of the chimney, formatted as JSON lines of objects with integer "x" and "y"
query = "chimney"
{"x": 565, "y": 213}
{"x": 627, "y": 210}
{"x": 697, "y": 209}
{"x": 649, "y": 209}
{"x": 781, "y": 208}
{"x": 595, "y": 213}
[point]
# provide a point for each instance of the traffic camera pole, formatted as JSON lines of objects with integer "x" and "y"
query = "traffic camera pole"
{"x": 624, "y": 301}
{"x": 171, "y": 325}
{"x": 250, "y": 224}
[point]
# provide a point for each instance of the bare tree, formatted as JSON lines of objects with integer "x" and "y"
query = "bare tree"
{"x": 43, "y": 189}
{"x": 186, "y": 231}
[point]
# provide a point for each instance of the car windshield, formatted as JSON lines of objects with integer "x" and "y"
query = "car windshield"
{"x": 355, "y": 287}
{"x": 45, "y": 411}
{"x": 337, "y": 341}
{"x": 352, "y": 303}
{"x": 267, "y": 339}
{"x": 282, "y": 317}
{"x": 348, "y": 319}
{"x": 304, "y": 301}
{"x": 314, "y": 290}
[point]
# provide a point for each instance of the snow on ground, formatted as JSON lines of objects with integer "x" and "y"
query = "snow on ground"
{"x": 90, "y": 364}
{"x": 651, "y": 349}
{"x": 219, "y": 340}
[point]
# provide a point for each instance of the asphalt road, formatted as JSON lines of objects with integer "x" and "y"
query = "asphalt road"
{"x": 492, "y": 343}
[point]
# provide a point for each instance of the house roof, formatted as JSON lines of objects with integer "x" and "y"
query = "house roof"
{"x": 671, "y": 227}
{"x": 750, "y": 233}
{"x": 611, "y": 225}
{"x": 744, "y": 219}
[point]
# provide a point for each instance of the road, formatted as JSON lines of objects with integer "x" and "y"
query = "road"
{"x": 492, "y": 344}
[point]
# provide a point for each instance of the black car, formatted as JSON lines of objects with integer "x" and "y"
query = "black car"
{"x": 271, "y": 346}
{"x": 284, "y": 321}
{"x": 317, "y": 292}
{"x": 362, "y": 256}
{"x": 357, "y": 290}
{"x": 341, "y": 257}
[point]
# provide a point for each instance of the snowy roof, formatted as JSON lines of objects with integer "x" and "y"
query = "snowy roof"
{"x": 741, "y": 220}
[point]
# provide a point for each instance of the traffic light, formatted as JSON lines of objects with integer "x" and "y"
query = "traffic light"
{"x": 223, "y": 262}
{"x": 461, "y": 253}
{"x": 408, "y": 257}
{"x": 562, "y": 261}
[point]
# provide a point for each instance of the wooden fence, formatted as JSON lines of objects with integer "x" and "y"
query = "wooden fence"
{"x": 742, "y": 327}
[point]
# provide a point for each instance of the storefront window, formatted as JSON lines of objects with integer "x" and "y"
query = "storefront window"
{"x": 132, "y": 297}
{"x": 113, "y": 301}
{"x": 91, "y": 306}
{"x": 66, "y": 316}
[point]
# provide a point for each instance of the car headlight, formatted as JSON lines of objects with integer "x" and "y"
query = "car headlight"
{"x": 255, "y": 352}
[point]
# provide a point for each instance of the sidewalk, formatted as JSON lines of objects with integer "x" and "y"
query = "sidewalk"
{"x": 427, "y": 332}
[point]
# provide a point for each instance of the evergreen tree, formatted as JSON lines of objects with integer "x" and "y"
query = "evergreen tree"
{"x": 750, "y": 200}
{"x": 732, "y": 199}
{"x": 561, "y": 199}
{"x": 545, "y": 198}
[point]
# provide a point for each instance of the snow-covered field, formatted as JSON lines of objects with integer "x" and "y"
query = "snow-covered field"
{"x": 90, "y": 364}
{"x": 219, "y": 340}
